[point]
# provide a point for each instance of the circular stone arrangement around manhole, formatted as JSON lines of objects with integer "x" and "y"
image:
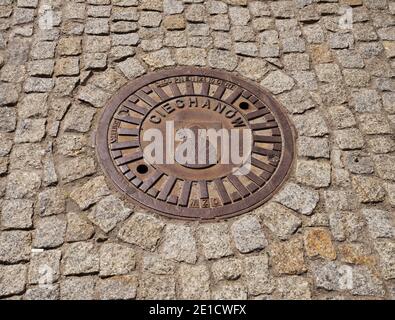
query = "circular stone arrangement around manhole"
{"x": 162, "y": 108}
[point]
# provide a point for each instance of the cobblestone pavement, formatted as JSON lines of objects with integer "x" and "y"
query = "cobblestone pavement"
{"x": 328, "y": 234}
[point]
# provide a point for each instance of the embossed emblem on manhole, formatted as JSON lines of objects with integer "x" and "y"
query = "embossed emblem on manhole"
{"x": 154, "y": 142}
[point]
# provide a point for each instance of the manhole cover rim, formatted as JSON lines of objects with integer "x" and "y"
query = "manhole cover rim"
{"x": 145, "y": 201}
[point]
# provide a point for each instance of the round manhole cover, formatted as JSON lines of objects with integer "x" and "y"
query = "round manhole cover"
{"x": 195, "y": 143}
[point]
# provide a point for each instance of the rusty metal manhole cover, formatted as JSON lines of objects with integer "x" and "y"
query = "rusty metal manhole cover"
{"x": 164, "y": 109}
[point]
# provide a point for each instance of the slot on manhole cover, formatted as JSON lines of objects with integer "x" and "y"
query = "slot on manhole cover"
{"x": 195, "y": 143}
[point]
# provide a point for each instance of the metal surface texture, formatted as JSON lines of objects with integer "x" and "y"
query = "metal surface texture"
{"x": 194, "y": 98}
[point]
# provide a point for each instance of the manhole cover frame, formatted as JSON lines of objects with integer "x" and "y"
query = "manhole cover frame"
{"x": 138, "y": 198}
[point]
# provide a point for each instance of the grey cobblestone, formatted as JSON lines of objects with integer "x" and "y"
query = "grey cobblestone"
{"x": 301, "y": 199}
{"x": 12, "y": 279}
{"x": 293, "y": 288}
{"x": 143, "y": 230}
{"x": 77, "y": 168}
{"x": 80, "y": 258}
{"x": 215, "y": 240}
{"x": 386, "y": 251}
{"x": 278, "y": 82}
{"x": 156, "y": 265}
{"x": 311, "y": 124}
{"x": 229, "y": 291}
{"x": 51, "y": 202}
{"x": 47, "y": 292}
{"x": 248, "y": 234}
{"x": 116, "y": 259}
{"x": 78, "y": 228}
{"x": 49, "y": 232}
{"x": 179, "y": 244}
{"x": 45, "y": 267}
{"x": 368, "y": 189}
{"x": 22, "y": 184}
{"x": 78, "y": 288}
{"x": 108, "y": 213}
{"x": 17, "y": 214}
{"x": 227, "y": 269}
{"x": 258, "y": 279}
{"x": 118, "y": 288}
{"x": 273, "y": 217}
{"x": 157, "y": 287}
{"x": 314, "y": 173}
{"x": 194, "y": 282}
{"x": 379, "y": 223}
{"x": 15, "y": 246}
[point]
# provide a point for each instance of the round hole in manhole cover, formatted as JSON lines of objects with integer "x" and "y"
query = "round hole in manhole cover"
{"x": 195, "y": 143}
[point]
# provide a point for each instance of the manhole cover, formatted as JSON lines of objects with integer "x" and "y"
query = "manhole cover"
{"x": 195, "y": 143}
